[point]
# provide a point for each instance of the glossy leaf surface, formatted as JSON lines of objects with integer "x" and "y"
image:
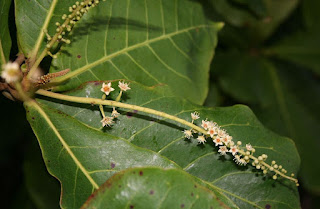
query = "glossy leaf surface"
{"x": 277, "y": 100}
{"x": 153, "y": 188}
{"x": 123, "y": 39}
{"x": 139, "y": 139}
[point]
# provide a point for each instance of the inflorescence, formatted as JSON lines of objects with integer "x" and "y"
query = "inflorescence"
{"x": 106, "y": 89}
{"x": 76, "y": 13}
{"x": 242, "y": 155}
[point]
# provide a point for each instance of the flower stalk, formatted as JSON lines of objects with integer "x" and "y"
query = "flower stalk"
{"x": 208, "y": 129}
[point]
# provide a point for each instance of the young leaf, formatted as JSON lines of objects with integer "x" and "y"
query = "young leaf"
{"x": 92, "y": 149}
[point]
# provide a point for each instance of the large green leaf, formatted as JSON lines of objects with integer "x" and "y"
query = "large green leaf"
{"x": 131, "y": 40}
{"x": 280, "y": 95}
{"x": 251, "y": 28}
{"x": 301, "y": 48}
{"x": 141, "y": 188}
{"x": 5, "y": 40}
{"x": 83, "y": 155}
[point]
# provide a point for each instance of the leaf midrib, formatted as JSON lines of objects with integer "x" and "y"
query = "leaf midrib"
{"x": 63, "y": 142}
{"x": 36, "y": 48}
{"x": 127, "y": 49}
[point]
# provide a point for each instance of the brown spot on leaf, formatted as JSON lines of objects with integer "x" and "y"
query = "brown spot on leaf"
{"x": 78, "y": 56}
{"x": 182, "y": 206}
{"x": 129, "y": 114}
{"x": 267, "y": 206}
{"x": 151, "y": 192}
{"x": 108, "y": 184}
{"x": 141, "y": 173}
{"x": 113, "y": 165}
{"x": 131, "y": 206}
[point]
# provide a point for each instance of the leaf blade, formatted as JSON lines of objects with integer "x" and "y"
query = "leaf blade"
{"x": 165, "y": 138}
{"x": 5, "y": 40}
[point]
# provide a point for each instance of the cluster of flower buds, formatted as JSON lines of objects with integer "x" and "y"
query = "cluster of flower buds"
{"x": 242, "y": 154}
{"x": 76, "y": 12}
{"x": 106, "y": 89}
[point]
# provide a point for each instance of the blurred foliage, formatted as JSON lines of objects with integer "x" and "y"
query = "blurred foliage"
{"x": 271, "y": 61}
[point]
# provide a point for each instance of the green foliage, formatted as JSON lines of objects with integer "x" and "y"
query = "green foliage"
{"x": 164, "y": 49}
{"x": 176, "y": 189}
{"x": 249, "y": 29}
{"x": 274, "y": 77}
{"x": 5, "y": 40}
{"x": 130, "y": 40}
{"x": 139, "y": 139}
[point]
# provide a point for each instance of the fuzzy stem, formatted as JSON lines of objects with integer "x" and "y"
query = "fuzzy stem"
{"x": 44, "y": 27}
{"x": 118, "y": 104}
{"x": 101, "y": 106}
{"x": 268, "y": 166}
{"x": 102, "y": 111}
{"x": 54, "y": 39}
{"x": 22, "y": 93}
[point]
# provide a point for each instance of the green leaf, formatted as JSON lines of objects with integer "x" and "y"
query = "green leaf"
{"x": 300, "y": 48}
{"x": 281, "y": 96}
{"x": 5, "y": 40}
{"x": 82, "y": 157}
{"x": 257, "y": 7}
{"x": 141, "y": 188}
{"x": 139, "y": 139}
{"x": 126, "y": 39}
{"x": 256, "y": 29}
{"x": 310, "y": 9}
{"x": 30, "y": 24}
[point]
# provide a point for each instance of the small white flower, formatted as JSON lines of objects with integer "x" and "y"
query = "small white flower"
{"x": 223, "y": 150}
{"x": 239, "y": 160}
{"x": 11, "y": 72}
{"x": 212, "y": 131}
{"x": 249, "y": 147}
{"x": 124, "y": 86}
{"x": 221, "y": 133}
{"x": 201, "y": 139}
{"x": 212, "y": 124}
{"x": 227, "y": 139}
{"x": 217, "y": 141}
{"x": 107, "y": 121}
{"x": 187, "y": 134}
{"x": 205, "y": 124}
{"x": 106, "y": 88}
{"x": 195, "y": 116}
{"x": 233, "y": 150}
{"x": 115, "y": 113}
